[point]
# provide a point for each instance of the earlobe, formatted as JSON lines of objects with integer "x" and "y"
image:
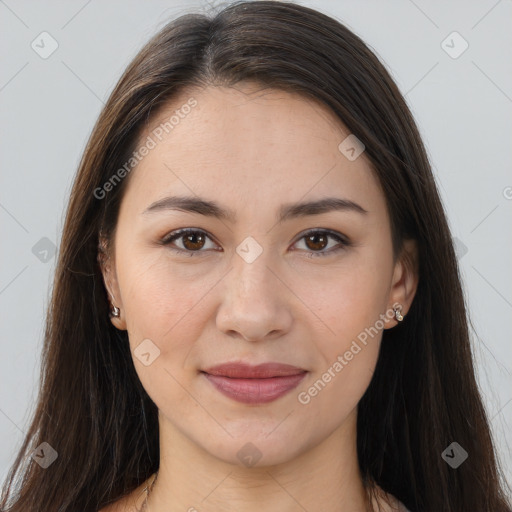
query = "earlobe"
{"x": 110, "y": 282}
{"x": 397, "y": 310}
{"x": 405, "y": 281}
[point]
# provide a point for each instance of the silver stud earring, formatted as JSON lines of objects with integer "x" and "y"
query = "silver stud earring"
{"x": 115, "y": 312}
{"x": 398, "y": 315}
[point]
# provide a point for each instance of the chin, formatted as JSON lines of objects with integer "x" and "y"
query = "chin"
{"x": 257, "y": 450}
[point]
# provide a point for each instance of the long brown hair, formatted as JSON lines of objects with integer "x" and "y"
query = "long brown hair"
{"x": 92, "y": 408}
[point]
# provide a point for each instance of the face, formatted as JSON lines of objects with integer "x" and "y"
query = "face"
{"x": 267, "y": 282}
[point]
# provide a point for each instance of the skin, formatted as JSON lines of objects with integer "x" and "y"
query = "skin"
{"x": 252, "y": 150}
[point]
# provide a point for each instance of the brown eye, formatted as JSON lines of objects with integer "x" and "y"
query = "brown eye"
{"x": 188, "y": 241}
{"x": 317, "y": 241}
{"x": 193, "y": 241}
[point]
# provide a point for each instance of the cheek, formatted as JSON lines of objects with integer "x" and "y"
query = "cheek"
{"x": 331, "y": 395}
{"x": 164, "y": 306}
{"x": 352, "y": 308}
{"x": 351, "y": 301}
{"x": 160, "y": 302}
{"x": 347, "y": 356}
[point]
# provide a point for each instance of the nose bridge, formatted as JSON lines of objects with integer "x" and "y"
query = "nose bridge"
{"x": 252, "y": 304}
{"x": 251, "y": 274}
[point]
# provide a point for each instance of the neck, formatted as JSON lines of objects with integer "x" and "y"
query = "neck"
{"x": 326, "y": 477}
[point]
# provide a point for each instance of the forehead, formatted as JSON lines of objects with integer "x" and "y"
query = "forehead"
{"x": 249, "y": 143}
{"x": 236, "y": 121}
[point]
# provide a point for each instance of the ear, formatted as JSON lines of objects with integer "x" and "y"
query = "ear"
{"x": 106, "y": 261}
{"x": 405, "y": 280}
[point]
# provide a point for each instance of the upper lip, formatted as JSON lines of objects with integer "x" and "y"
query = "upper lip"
{"x": 261, "y": 371}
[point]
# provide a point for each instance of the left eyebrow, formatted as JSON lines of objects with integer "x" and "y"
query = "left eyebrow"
{"x": 286, "y": 212}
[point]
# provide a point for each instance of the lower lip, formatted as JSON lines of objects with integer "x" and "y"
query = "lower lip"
{"x": 255, "y": 391}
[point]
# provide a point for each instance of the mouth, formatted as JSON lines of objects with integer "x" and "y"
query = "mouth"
{"x": 254, "y": 384}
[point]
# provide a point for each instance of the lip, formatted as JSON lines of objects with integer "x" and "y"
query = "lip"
{"x": 239, "y": 370}
{"x": 254, "y": 384}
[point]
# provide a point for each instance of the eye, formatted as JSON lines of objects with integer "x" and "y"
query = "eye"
{"x": 318, "y": 240}
{"x": 192, "y": 240}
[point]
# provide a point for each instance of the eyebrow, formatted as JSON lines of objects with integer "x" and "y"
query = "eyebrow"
{"x": 286, "y": 212}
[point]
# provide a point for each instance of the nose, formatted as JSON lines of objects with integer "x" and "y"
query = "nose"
{"x": 255, "y": 301}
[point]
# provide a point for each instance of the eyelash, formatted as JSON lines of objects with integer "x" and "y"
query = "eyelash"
{"x": 171, "y": 237}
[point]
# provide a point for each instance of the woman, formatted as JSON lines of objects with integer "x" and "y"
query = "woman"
{"x": 257, "y": 304}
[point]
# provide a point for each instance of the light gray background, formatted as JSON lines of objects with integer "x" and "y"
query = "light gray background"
{"x": 463, "y": 107}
